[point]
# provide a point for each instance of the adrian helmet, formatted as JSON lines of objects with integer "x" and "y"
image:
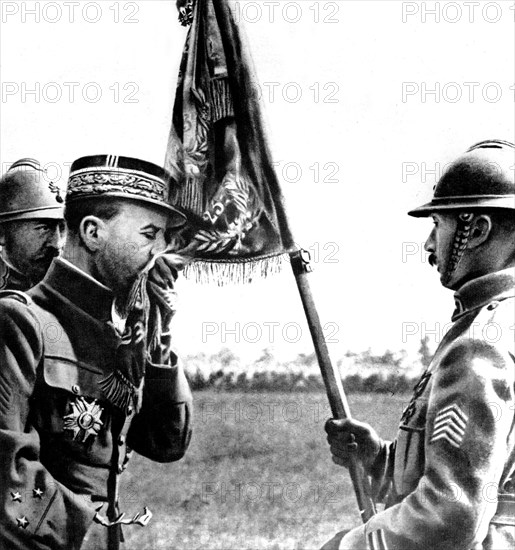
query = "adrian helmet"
{"x": 27, "y": 193}
{"x": 482, "y": 177}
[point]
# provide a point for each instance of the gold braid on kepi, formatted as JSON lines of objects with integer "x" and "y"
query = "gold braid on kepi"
{"x": 103, "y": 176}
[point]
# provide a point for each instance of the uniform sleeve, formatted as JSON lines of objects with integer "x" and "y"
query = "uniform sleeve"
{"x": 36, "y": 511}
{"x": 161, "y": 431}
{"x": 381, "y": 472}
{"x": 470, "y": 412}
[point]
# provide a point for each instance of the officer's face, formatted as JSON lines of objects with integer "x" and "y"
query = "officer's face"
{"x": 132, "y": 238}
{"x": 30, "y": 245}
{"x": 439, "y": 245}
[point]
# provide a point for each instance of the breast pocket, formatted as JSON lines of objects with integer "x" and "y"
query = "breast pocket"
{"x": 69, "y": 400}
{"x": 409, "y": 450}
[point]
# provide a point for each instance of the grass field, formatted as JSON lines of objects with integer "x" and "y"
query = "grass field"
{"x": 258, "y": 475}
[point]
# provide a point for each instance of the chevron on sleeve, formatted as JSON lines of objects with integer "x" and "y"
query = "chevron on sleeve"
{"x": 450, "y": 425}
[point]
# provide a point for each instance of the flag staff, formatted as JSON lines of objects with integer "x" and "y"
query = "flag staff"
{"x": 300, "y": 263}
{"x": 219, "y": 149}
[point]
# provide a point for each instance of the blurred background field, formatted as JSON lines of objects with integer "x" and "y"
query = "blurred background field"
{"x": 390, "y": 372}
{"x": 258, "y": 475}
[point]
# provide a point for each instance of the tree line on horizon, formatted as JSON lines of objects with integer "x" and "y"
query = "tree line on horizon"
{"x": 366, "y": 372}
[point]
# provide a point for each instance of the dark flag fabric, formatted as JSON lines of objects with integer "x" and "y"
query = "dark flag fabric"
{"x": 219, "y": 153}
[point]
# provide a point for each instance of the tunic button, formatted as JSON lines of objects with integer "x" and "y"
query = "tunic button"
{"x": 75, "y": 388}
{"x": 130, "y": 410}
{"x": 121, "y": 440}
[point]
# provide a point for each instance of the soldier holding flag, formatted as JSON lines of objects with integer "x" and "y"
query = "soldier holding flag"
{"x": 448, "y": 480}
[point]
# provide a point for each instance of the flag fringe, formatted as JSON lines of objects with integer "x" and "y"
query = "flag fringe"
{"x": 224, "y": 272}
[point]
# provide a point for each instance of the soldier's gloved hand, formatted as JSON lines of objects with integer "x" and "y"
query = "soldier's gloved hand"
{"x": 350, "y": 437}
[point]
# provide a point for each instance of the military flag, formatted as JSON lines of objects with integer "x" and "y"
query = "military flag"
{"x": 219, "y": 153}
{"x": 218, "y": 149}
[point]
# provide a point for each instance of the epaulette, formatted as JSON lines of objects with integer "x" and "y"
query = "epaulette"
{"x": 16, "y": 295}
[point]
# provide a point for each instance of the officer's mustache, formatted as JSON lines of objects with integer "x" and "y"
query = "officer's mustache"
{"x": 432, "y": 260}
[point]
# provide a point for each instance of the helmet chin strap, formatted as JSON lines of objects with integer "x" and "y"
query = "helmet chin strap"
{"x": 459, "y": 244}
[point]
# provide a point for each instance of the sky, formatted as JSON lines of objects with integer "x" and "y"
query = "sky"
{"x": 366, "y": 103}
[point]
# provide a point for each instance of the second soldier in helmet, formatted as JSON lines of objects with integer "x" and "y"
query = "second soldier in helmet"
{"x": 32, "y": 229}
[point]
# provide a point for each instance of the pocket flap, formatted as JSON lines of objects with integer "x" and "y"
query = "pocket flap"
{"x": 72, "y": 377}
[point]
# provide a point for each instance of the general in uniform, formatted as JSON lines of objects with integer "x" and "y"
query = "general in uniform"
{"x": 448, "y": 479}
{"x": 80, "y": 385}
{"x": 32, "y": 226}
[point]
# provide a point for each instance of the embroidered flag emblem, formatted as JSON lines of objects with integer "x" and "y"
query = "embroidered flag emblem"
{"x": 450, "y": 425}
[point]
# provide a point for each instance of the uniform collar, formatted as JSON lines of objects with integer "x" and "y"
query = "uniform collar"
{"x": 484, "y": 290}
{"x": 79, "y": 288}
{"x": 11, "y": 278}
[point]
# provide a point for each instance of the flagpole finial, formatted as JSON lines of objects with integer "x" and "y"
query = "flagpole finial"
{"x": 185, "y": 8}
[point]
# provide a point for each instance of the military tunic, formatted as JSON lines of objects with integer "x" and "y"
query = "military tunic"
{"x": 448, "y": 479}
{"x": 68, "y": 413}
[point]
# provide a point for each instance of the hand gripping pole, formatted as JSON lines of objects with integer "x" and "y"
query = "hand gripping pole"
{"x": 300, "y": 262}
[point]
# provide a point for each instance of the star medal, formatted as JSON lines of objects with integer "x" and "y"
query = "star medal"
{"x": 84, "y": 420}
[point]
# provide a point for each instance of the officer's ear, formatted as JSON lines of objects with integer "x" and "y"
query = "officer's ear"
{"x": 480, "y": 230}
{"x": 93, "y": 233}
